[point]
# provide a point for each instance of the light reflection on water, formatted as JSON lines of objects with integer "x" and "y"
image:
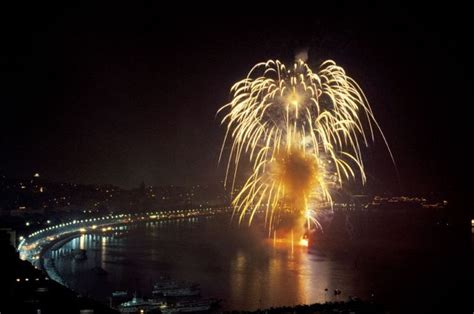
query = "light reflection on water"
{"x": 235, "y": 264}
{"x": 241, "y": 267}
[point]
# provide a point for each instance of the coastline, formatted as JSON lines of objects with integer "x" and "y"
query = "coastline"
{"x": 37, "y": 246}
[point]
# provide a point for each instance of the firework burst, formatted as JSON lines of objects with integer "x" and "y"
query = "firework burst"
{"x": 302, "y": 132}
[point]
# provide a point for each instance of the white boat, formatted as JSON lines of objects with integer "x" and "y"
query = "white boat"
{"x": 138, "y": 304}
{"x": 119, "y": 294}
{"x": 190, "y": 306}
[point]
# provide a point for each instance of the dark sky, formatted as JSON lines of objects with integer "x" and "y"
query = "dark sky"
{"x": 120, "y": 94}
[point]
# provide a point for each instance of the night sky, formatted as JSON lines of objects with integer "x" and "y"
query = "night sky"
{"x": 120, "y": 95}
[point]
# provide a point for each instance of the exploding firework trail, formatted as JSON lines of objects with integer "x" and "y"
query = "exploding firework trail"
{"x": 302, "y": 131}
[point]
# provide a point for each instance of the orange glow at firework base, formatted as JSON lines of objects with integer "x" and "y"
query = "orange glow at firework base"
{"x": 303, "y": 242}
{"x": 289, "y": 240}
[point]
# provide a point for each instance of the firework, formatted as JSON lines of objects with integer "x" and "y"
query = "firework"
{"x": 302, "y": 132}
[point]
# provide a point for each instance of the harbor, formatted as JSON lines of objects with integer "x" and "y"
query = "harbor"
{"x": 168, "y": 296}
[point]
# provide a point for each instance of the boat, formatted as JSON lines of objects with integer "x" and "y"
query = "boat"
{"x": 120, "y": 294}
{"x": 193, "y": 306}
{"x": 137, "y": 305}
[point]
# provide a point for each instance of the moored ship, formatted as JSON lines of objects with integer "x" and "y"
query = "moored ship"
{"x": 193, "y": 306}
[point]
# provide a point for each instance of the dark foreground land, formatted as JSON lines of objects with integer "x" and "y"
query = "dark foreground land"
{"x": 25, "y": 289}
